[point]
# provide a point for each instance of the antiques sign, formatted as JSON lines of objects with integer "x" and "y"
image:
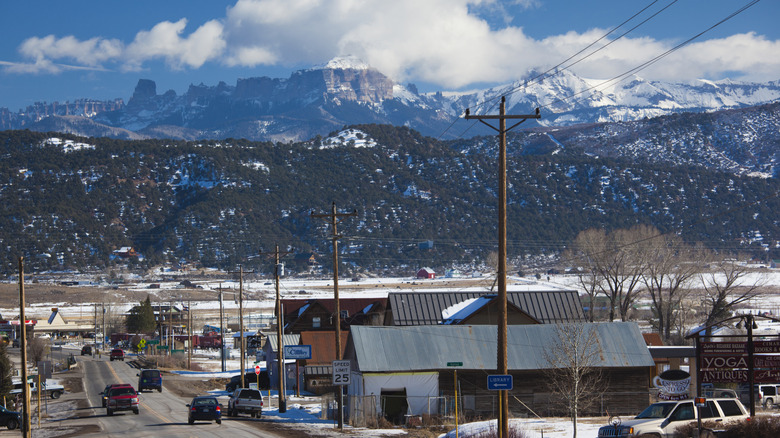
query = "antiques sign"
{"x": 728, "y": 362}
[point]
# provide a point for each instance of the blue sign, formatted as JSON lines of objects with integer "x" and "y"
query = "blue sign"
{"x": 500, "y": 382}
{"x": 297, "y": 351}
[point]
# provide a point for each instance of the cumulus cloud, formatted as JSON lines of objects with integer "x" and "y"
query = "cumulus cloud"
{"x": 443, "y": 42}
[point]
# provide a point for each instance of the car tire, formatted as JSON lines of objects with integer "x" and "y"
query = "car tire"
{"x": 56, "y": 394}
{"x": 12, "y": 424}
{"x": 136, "y": 411}
{"x": 159, "y": 389}
{"x": 219, "y": 421}
{"x": 109, "y": 412}
{"x": 190, "y": 421}
{"x": 769, "y": 403}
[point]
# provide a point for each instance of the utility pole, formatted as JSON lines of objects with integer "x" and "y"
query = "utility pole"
{"x": 279, "y": 331}
{"x": 221, "y": 329}
{"x": 26, "y": 432}
{"x": 502, "y": 366}
{"x": 241, "y": 320}
{"x": 189, "y": 334}
{"x": 335, "y": 218}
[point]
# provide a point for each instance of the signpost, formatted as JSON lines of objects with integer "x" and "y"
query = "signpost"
{"x": 500, "y": 382}
{"x": 455, "y": 377}
{"x": 341, "y": 372}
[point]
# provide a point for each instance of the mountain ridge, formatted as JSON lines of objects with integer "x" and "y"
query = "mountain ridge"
{"x": 346, "y": 92}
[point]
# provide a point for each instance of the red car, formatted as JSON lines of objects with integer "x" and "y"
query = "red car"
{"x": 117, "y": 354}
{"x": 123, "y": 398}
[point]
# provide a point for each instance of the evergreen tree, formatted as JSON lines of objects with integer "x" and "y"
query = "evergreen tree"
{"x": 6, "y": 372}
{"x": 140, "y": 319}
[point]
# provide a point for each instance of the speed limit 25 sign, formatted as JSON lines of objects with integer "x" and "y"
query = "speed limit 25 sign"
{"x": 341, "y": 372}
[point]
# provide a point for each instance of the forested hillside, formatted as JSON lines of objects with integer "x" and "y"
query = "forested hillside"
{"x": 68, "y": 202}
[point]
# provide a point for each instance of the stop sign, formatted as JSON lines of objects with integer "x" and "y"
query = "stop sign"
{"x": 257, "y": 369}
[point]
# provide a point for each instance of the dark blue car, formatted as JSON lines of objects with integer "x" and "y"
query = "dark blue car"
{"x": 204, "y": 408}
{"x": 10, "y": 419}
{"x": 150, "y": 379}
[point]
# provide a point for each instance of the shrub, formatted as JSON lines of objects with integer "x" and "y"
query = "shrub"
{"x": 758, "y": 427}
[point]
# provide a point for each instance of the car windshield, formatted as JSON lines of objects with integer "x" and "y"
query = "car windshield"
{"x": 205, "y": 402}
{"x": 122, "y": 391}
{"x": 150, "y": 373}
{"x": 657, "y": 410}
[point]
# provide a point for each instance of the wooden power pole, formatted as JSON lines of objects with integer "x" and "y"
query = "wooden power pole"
{"x": 279, "y": 330}
{"x": 502, "y": 366}
{"x": 25, "y": 426}
{"x": 335, "y": 218}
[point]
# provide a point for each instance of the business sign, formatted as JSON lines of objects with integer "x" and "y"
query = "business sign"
{"x": 500, "y": 382}
{"x": 341, "y": 372}
{"x": 738, "y": 348}
{"x": 297, "y": 351}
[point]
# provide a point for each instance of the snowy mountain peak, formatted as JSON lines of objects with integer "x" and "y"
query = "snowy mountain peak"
{"x": 348, "y": 62}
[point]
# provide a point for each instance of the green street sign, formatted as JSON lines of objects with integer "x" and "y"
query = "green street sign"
{"x": 162, "y": 347}
{"x": 454, "y": 364}
{"x": 153, "y": 341}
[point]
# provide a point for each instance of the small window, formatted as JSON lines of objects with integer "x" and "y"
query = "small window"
{"x": 730, "y": 408}
{"x": 710, "y": 410}
{"x": 769, "y": 390}
{"x": 683, "y": 412}
{"x": 315, "y": 322}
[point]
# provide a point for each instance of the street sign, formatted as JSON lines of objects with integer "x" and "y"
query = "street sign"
{"x": 297, "y": 351}
{"x": 454, "y": 364}
{"x": 500, "y": 382}
{"x": 257, "y": 369}
{"x": 153, "y": 341}
{"x": 341, "y": 372}
{"x": 162, "y": 347}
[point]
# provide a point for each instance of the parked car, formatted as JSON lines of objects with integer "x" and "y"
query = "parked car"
{"x": 204, "y": 408}
{"x": 662, "y": 418}
{"x": 52, "y": 388}
{"x": 235, "y": 381}
{"x": 247, "y": 401}
{"x": 117, "y": 354}
{"x": 86, "y": 350}
{"x": 768, "y": 394}
{"x": 123, "y": 398}
{"x": 104, "y": 394}
{"x": 150, "y": 379}
{"x": 10, "y": 419}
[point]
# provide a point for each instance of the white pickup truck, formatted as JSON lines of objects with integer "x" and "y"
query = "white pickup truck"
{"x": 51, "y": 387}
{"x": 245, "y": 400}
{"x": 661, "y": 419}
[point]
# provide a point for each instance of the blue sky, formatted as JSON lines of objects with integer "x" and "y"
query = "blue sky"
{"x": 63, "y": 50}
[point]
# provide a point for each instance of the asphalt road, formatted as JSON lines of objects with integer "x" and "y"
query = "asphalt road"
{"x": 161, "y": 413}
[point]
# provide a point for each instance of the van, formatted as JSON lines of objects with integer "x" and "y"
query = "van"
{"x": 150, "y": 379}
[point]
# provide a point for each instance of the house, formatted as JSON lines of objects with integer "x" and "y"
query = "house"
{"x": 55, "y": 325}
{"x": 318, "y": 371}
{"x": 428, "y": 308}
{"x": 318, "y": 314}
{"x": 125, "y": 252}
{"x": 270, "y": 352}
{"x": 402, "y": 371}
{"x": 426, "y": 273}
{"x": 484, "y": 310}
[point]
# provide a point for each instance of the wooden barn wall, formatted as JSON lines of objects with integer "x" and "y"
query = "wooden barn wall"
{"x": 626, "y": 391}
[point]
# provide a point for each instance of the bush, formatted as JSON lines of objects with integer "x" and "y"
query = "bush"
{"x": 758, "y": 427}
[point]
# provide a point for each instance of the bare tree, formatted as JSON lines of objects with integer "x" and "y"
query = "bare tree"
{"x": 670, "y": 266}
{"x": 615, "y": 264}
{"x": 727, "y": 284}
{"x": 37, "y": 349}
{"x": 572, "y": 373}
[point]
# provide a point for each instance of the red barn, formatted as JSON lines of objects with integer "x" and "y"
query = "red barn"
{"x": 426, "y": 273}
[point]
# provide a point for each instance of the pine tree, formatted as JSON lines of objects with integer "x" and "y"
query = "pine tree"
{"x": 6, "y": 372}
{"x": 141, "y": 318}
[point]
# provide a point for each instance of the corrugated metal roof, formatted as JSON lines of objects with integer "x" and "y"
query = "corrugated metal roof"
{"x": 393, "y": 349}
{"x": 293, "y": 339}
{"x": 425, "y": 308}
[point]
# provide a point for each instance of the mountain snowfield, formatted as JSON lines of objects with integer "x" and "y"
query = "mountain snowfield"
{"x": 347, "y": 91}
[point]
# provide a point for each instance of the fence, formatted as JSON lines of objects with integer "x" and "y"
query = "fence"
{"x": 368, "y": 411}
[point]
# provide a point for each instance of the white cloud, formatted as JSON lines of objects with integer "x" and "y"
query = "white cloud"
{"x": 164, "y": 41}
{"x": 443, "y": 42}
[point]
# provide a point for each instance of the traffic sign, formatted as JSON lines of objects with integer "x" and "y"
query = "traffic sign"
{"x": 257, "y": 369}
{"x": 454, "y": 364}
{"x": 500, "y": 382}
{"x": 341, "y": 372}
{"x": 297, "y": 351}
